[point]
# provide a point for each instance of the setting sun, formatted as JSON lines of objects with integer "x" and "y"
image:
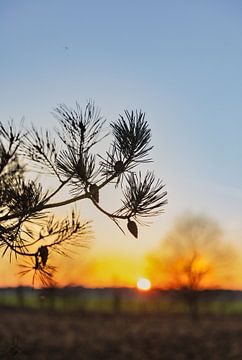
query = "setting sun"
{"x": 143, "y": 284}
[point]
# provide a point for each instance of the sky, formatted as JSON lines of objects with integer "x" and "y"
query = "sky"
{"x": 179, "y": 61}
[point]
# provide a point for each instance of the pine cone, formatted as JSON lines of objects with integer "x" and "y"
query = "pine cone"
{"x": 133, "y": 228}
{"x": 43, "y": 253}
{"x": 119, "y": 166}
{"x": 94, "y": 191}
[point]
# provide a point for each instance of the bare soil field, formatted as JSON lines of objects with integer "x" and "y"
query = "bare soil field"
{"x": 38, "y": 334}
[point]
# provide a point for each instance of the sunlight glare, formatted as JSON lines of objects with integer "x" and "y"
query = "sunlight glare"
{"x": 143, "y": 284}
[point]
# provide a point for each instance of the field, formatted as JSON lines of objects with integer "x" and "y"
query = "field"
{"x": 50, "y": 334}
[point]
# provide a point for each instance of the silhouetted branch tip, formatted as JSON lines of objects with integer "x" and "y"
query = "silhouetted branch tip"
{"x": 28, "y": 229}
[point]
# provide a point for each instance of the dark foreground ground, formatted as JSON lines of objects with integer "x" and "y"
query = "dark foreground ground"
{"x": 38, "y": 334}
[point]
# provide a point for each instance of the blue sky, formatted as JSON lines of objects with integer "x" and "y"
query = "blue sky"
{"x": 179, "y": 61}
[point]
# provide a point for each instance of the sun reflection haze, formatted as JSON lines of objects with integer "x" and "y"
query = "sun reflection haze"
{"x": 144, "y": 284}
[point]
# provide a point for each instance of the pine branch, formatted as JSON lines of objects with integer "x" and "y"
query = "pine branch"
{"x": 27, "y": 229}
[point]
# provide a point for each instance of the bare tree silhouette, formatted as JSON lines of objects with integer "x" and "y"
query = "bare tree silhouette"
{"x": 191, "y": 253}
{"x": 188, "y": 275}
{"x": 28, "y": 229}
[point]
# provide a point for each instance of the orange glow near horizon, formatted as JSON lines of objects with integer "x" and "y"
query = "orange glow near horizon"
{"x": 116, "y": 270}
